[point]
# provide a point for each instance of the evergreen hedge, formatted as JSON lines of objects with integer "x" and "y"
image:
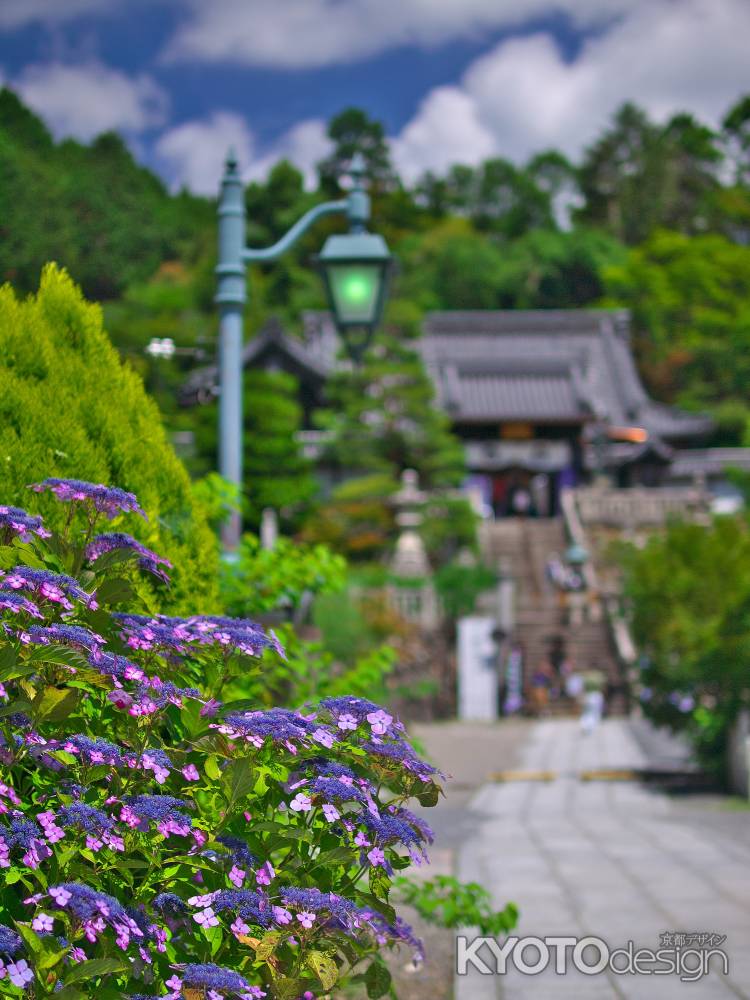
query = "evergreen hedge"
{"x": 69, "y": 407}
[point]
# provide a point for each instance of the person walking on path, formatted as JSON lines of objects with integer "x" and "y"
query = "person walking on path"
{"x": 593, "y": 701}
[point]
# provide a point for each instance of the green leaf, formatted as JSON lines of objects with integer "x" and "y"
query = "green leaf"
{"x": 380, "y": 906}
{"x": 55, "y": 704}
{"x": 17, "y": 670}
{"x": 69, "y": 993}
{"x": 288, "y": 989}
{"x": 109, "y": 559}
{"x": 430, "y": 796}
{"x": 267, "y": 945}
{"x": 32, "y": 941}
{"x": 51, "y": 959}
{"x": 211, "y": 767}
{"x": 7, "y": 658}
{"x": 94, "y": 968}
{"x": 238, "y": 779}
{"x": 114, "y": 591}
{"x": 15, "y": 706}
{"x": 377, "y": 980}
{"x": 57, "y": 654}
{"x": 337, "y": 856}
{"x": 324, "y": 968}
{"x": 380, "y": 883}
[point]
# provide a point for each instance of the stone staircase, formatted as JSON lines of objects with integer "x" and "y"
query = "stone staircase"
{"x": 521, "y": 547}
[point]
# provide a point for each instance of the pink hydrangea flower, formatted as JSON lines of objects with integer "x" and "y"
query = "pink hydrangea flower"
{"x": 380, "y": 721}
{"x": 20, "y": 973}
{"x": 330, "y": 812}
{"x": 376, "y": 856}
{"x": 206, "y": 918}
{"x": 265, "y": 874}
{"x": 237, "y": 875}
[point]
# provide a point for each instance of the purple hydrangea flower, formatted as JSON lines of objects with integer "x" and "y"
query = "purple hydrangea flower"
{"x": 66, "y": 635}
{"x": 97, "y": 910}
{"x": 108, "y": 500}
{"x": 238, "y": 850}
{"x": 213, "y": 977}
{"x": 55, "y": 587}
{"x": 115, "y": 666}
{"x": 403, "y": 753}
{"x": 358, "y": 709}
{"x": 85, "y": 817}
{"x": 91, "y": 751}
{"x": 10, "y": 942}
{"x": 12, "y": 601}
{"x": 165, "y": 811}
{"x": 148, "y": 560}
{"x": 14, "y": 521}
{"x": 169, "y": 904}
{"x": 163, "y": 633}
{"x": 278, "y": 724}
{"x": 249, "y": 904}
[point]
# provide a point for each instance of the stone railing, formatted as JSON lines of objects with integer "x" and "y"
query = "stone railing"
{"x": 575, "y": 528}
{"x": 629, "y": 509}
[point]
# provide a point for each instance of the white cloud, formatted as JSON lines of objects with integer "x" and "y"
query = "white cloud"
{"x": 17, "y": 13}
{"x": 305, "y": 145}
{"x": 84, "y": 100}
{"x": 446, "y": 130}
{"x": 194, "y": 152}
{"x": 523, "y": 96}
{"x": 310, "y": 33}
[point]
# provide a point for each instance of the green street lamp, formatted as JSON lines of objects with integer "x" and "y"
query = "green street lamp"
{"x": 355, "y": 269}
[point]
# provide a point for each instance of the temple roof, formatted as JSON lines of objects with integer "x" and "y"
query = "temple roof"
{"x": 549, "y": 366}
{"x": 314, "y": 360}
{"x": 557, "y": 364}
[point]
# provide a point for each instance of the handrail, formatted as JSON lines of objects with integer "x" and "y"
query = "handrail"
{"x": 618, "y": 626}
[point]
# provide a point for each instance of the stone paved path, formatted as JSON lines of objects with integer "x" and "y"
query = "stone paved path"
{"x": 610, "y": 859}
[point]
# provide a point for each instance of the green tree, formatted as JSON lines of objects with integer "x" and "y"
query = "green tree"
{"x": 556, "y": 176}
{"x": 736, "y": 131}
{"x": 509, "y": 202}
{"x": 550, "y": 269}
{"x": 689, "y": 593}
{"x": 276, "y": 474}
{"x": 689, "y": 299}
{"x": 382, "y": 417}
{"x": 70, "y": 408}
{"x": 451, "y": 267}
{"x": 353, "y": 131}
{"x": 108, "y": 220}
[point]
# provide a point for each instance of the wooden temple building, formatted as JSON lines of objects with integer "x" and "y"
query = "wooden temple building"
{"x": 541, "y": 400}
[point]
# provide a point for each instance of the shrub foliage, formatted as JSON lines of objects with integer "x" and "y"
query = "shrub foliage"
{"x": 68, "y": 406}
{"x": 154, "y": 841}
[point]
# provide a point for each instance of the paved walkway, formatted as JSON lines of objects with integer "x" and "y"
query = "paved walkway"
{"x": 605, "y": 858}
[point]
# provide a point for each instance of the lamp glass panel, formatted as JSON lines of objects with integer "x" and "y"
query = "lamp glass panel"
{"x": 355, "y": 289}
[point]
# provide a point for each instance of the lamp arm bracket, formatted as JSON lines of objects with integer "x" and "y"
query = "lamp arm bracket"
{"x": 252, "y": 255}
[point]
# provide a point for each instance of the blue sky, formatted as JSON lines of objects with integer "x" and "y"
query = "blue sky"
{"x": 453, "y": 80}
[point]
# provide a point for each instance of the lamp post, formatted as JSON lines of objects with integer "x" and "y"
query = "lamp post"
{"x": 355, "y": 269}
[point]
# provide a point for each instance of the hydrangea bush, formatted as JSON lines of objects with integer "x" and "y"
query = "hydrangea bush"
{"x": 154, "y": 841}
